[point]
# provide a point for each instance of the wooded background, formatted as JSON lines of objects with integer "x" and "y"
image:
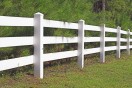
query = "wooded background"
{"x": 116, "y": 13}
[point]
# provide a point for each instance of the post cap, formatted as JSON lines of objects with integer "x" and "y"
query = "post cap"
{"x": 81, "y": 20}
{"x": 38, "y": 13}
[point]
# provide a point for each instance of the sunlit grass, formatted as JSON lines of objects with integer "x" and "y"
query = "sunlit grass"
{"x": 115, "y": 73}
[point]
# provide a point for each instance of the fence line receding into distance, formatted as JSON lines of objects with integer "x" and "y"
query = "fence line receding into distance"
{"x": 38, "y": 41}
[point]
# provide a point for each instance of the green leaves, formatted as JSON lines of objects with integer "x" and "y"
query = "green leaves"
{"x": 118, "y": 13}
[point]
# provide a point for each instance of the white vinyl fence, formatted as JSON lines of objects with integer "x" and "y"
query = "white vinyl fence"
{"x": 38, "y": 40}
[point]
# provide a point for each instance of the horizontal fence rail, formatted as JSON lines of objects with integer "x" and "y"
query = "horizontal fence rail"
{"x": 14, "y": 41}
{"x": 39, "y": 23}
{"x": 59, "y": 24}
{"x": 16, "y": 21}
{"x": 59, "y": 55}
{"x": 16, "y": 62}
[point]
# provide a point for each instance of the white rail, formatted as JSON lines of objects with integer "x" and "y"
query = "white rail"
{"x": 59, "y": 24}
{"x": 38, "y": 40}
{"x": 16, "y": 62}
{"x": 15, "y": 41}
{"x": 59, "y": 55}
{"x": 15, "y": 21}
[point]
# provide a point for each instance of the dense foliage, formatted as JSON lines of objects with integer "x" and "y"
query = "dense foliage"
{"x": 117, "y": 13}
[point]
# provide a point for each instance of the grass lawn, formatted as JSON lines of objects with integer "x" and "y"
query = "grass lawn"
{"x": 115, "y": 73}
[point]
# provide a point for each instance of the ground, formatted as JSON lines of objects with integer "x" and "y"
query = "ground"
{"x": 115, "y": 73}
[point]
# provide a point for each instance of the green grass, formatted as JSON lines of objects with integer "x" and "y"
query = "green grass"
{"x": 115, "y": 73}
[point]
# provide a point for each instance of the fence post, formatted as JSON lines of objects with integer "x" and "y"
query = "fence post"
{"x": 128, "y": 42}
{"x": 102, "y": 44}
{"x": 38, "y": 45}
{"x": 81, "y": 24}
{"x": 118, "y": 42}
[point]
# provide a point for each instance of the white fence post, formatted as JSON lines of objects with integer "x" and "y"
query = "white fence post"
{"x": 102, "y": 44}
{"x": 38, "y": 45}
{"x": 118, "y": 42}
{"x": 128, "y": 42}
{"x": 81, "y": 24}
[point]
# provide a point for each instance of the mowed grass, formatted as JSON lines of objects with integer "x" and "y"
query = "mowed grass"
{"x": 115, "y": 73}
